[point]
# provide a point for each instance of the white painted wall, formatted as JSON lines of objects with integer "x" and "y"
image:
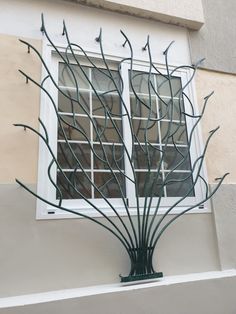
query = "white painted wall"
{"x": 84, "y": 23}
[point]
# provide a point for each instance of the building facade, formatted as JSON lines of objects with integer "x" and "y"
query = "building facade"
{"x": 41, "y": 254}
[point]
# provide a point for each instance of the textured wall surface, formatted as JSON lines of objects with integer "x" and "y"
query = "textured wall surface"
{"x": 187, "y": 13}
{"x": 225, "y": 220}
{"x": 61, "y": 254}
{"x": 19, "y": 104}
{"x": 216, "y": 39}
{"x": 221, "y": 111}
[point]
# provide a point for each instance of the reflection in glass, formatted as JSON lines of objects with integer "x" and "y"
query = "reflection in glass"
{"x": 107, "y": 130}
{"x": 112, "y": 155}
{"x": 149, "y": 184}
{"x": 146, "y": 157}
{"x": 81, "y": 155}
{"x": 75, "y": 128}
{"x": 80, "y": 183}
{"x": 107, "y": 184}
{"x": 179, "y": 184}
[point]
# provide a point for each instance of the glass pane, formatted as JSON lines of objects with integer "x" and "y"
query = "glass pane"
{"x": 107, "y": 184}
{"x": 165, "y": 86}
{"x": 75, "y": 129}
{"x": 173, "y": 157}
{"x": 103, "y": 81}
{"x": 166, "y": 111}
{"x": 114, "y": 155}
{"x": 106, "y": 130}
{"x": 141, "y": 82}
{"x": 72, "y": 106}
{"x": 66, "y": 158}
{"x": 141, "y": 107}
{"x": 107, "y": 102}
{"x": 173, "y": 131}
{"x": 179, "y": 184}
{"x": 146, "y": 131}
{"x": 77, "y": 180}
{"x": 146, "y": 157}
{"x": 149, "y": 184}
{"x": 73, "y": 76}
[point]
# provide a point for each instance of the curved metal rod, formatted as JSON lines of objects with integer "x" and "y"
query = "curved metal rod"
{"x": 114, "y": 125}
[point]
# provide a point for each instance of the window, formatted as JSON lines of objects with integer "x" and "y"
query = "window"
{"x": 98, "y": 110}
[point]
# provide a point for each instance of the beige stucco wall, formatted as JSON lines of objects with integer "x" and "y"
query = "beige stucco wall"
{"x": 179, "y": 12}
{"x": 221, "y": 111}
{"x": 19, "y": 104}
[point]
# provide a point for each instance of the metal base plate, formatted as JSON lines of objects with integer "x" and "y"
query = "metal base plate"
{"x": 141, "y": 277}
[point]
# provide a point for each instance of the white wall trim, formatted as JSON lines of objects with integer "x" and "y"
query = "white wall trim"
{"x": 52, "y": 296}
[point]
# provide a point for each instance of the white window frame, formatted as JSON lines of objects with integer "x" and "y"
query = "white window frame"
{"x": 45, "y": 188}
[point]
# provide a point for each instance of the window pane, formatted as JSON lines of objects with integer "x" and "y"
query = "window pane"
{"x": 114, "y": 155}
{"x": 149, "y": 184}
{"x": 173, "y": 156}
{"x": 69, "y": 105}
{"x": 179, "y": 184}
{"x": 146, "y": 131}
{"x": 77, "y": 128}
{"x": 171, "y": 109}
{"x": 141, "y": 82}
{"x": 75, "y": 181}
{"x": 102, "y": 80}
{"x": 108, "y": 185}
{"x": 143, "y": 107}
{"x": 146, "y": 157}
{"x": 67, "y": 160}
{"x": 73, "y": 76}
{"x": 173, "y": 132}
{"x": 106, "y": 103}
{"x": 165, "y": 86}
{"x": 107, "y": 130}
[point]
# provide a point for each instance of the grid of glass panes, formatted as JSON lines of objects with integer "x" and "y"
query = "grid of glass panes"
{"x": 160, "y": 132}
{"x": 90, "y": 115}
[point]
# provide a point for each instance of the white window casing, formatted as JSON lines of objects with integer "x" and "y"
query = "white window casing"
{"x": 46, "y": 190}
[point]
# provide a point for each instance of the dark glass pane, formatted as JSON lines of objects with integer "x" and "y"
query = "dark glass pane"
{"x": 149, "y": 184}
{"x": 103, "y": 81}
{"x": 73, "y": 106}
{"x": 75, "y": 129}
{"x": 76, "y": 180}
{"x": 141, "y": 107}
{"x": 73, "y": 76}
{"x": 107, "y": 130}
{"x": 141, "y": 82}
{"x": 173, "y": 156}
{"x": 113, "y": 154}
{"x": 173, "y": 132}
{"x": 164, "y": 86}
{"x": 107, "y": 184}
{"x": 146, "y": 131}
{"x": 146, "y": 157}
{"x": 104, "y": 104}
{"x": 66, "y": 158}
{"x": 179, "y": 184}
{"x": 172, "y": 109}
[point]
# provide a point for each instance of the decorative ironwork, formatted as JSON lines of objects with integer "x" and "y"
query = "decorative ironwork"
{"x": 138, "y": 234}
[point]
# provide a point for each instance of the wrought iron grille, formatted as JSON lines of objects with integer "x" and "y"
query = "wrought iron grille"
{"x": 93, "y": 154}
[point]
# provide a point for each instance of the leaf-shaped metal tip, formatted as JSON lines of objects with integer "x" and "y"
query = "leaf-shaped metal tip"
{"x": 167, "y": 49}
{"x": 222, "y": 178}
{"x": 42, "y": 28}
{"x": 146, "y": 45}
{"x": 196, "y": 65}
{"x": 64, "y": 28}
{"x": 214, "y": 130}
{"x": 98, "y": 39}
{"x": 208, "y": 96}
